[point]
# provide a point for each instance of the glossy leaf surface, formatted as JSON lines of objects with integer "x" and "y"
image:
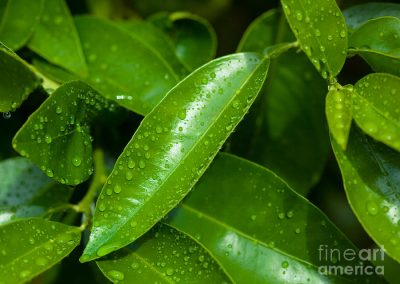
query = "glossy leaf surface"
{"x": 321, "y": 30}
{"x": 378, "y": 42}
{"x": 377, "y": 107}
{"x": 371, "y": 177}
{"x": 56, "y": 136}
{"x": 30, "y": 246}
{"x": 136, "y": 80}
{"x": 172, "y": 148}
{"x": 26, "y": 192}
{"x": 18, "y": 20}
{"x": 158, "y": 41}
{"x": 17, "y": 80}
{"x": 357, "y": 15}
{"x": 264, "y": 231}
{"x": 339, "y": 113}
{"x": 193, "y": 37}
{"x": 163, "y": 255}
{"x": 56, "y": 39}
{"x": 288, "y": 120}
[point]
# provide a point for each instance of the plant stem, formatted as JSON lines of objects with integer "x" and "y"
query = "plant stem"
{"x": 99, "y": 178}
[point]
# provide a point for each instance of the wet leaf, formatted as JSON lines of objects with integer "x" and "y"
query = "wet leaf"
{"x": 31, "y": 246}
{"x": 227, "y": 213}
{"x": 56, "y": 39}
{"x": 26, "y": 192}
{"x": 172, "y": 148}
{"x": 17, "y": 80}
{"x": 371, "y": 177}
{"x": 193, "y": 37}
{"x": 377, "y": 107}
{"x": 321, "y": 30}
{"x": 18, "y": 21}
{"x": 157, "y": 41}
{"x": 288, "y": 120}
{"x": 339, "y": 113}
{"x": 56, "y": 136}
{"x": 378, "y": 42}
{"x": 136, "y": 80}
{"x": 163, "y": 255}
{"x": 357, "y": 15}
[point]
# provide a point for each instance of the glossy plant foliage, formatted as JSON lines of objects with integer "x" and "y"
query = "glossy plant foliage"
{"x": 135, "y": 151}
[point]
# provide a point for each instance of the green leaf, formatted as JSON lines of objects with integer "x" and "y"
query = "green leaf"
{"x": 194, "y": 38}
{"x": 321, "y": 30}
{"x": 56, "y": 38}
{"x": 136, "y": 80}
{"x": 163, "y": 255}
{"x": 357, "y": 15}
{"x": 172, "y": 148}
{"x": 26, "y": 192}
{"x": 157, "y": 41}
{"x": 339, "y": 113}
{"x": 378, "y": 42}
{"x": 31, "y": 246}
{"x": 371, "y": 177}
{"x": 288, "y": 120}
{"x": 377, "y": 108}
{"x": 258, "y": 228}
{"x": 18, "y": 21}
{"x": 53, "y": 72}
{"x": 56, "y": 136}
{"x": 17, "y": 80}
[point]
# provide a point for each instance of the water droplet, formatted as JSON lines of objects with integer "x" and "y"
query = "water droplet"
{"x": 343, "y": 33}
{"x": 253, "y": 217}
{"x": 299, "y": 16}
{"x": 48, "y": 139}
{"x": 106, "y": 249}
{"x": 133, "y": 224}
{"x": 285, "y": 264}
{"x": 142, "y": 164}
{"x": 170, "y": 271}
{"x": 116, "y": 275}
{"x": 129, "y": 176}
{"x": 7, "y": 115}
{"x": 76, "y": 161}
{"x": 372, "y": 208}
{"x": 58, "y": 110}
{"x": 102, "y": 207}
{"x": 49, "y": 173}
{"x": 117, "y": 189}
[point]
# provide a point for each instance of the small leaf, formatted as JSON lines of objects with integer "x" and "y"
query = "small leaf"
{"x": 321, "y": 30}
{"x": 378, "y": 42}
{"x": 357, "y": 15}
{"x": 377, "y": 108}
{"x": 288, "y": 119}
{"x": 163, "y": 255}
{"x": 18, "y": 21}
{"x": 157, "y": 41}
{"x": 258, "y": 228}
{"x": 17, "y": 80}
{"x": 56, "y": 136}
{"x": 172, "y": 148}
{"x": 26, "y": 192}
{"x": 194, "y": 38}
{"x": 371, "y": 177}
{"x": 339, "y": 113}
{"x": 31, "y": 246}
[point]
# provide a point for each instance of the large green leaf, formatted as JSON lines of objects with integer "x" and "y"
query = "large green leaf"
{"x": 288, "y": 120}
{"x": 172, "y": 148}
{"x": 258, "y": 228}
{"x": 157, "y": 41}
{"x": 163, "y": 255}
{"x": 56, "y": 38}
{"x": 377, "y": 107}
{"x": 30, "y": 246}
{"x": 56, "y": 136}
{"x": 339, "y": 113}
{"x": 378, "y": 42}
{"x": 18, "y": 20}
{"x": 136, "y": 80}
{"x": 357, "y": 15}
{"x": 194, "y": 38}
{"x": 17, "y": 80}
{"x": 26, "y": 192}
{"x": 321, "y": 30}
{"x": 371, "y": 177}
